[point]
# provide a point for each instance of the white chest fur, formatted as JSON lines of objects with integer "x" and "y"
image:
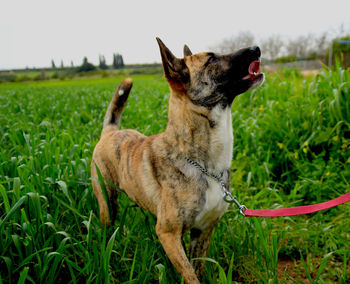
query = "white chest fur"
{"x": 214, "y": 207}
{"x": 221, "y": 139}
{"x": 221, "y": 146}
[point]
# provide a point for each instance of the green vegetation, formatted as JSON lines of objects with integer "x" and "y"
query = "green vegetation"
{"x": 339, "y": 47}
{"x": 83, "y": 71}
{"x": 341, "y": 51}
{"x": 284, "y": 59}
{"x": 292, "y": 147}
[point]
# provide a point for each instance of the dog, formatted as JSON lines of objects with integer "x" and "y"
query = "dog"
{"x": 155, "y": 171}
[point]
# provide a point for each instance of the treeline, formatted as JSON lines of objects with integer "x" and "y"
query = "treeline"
{"x": 277, "y": 48}
{"x": 86, "y": 66}
{"x": 86, "y": 69}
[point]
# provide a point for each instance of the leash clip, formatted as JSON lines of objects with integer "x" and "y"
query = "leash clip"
{"x": 233, "y": 199}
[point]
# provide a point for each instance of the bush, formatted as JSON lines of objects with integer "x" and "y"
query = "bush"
{"x": 7, "y": 77}
{"x": 341, "y": 48}
{"x": 104, "y": 74}
{"x": 54, "y": 75}
{"x": 291, "y": 73}
{"x": 284, "y": 59}
{"x": 341, "y": 52}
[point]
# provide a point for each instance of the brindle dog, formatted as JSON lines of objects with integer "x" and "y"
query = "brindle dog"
{"x": 154, "y": 171}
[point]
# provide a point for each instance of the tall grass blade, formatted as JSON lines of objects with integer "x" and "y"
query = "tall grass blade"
{"x": 13, "y": 210}
{"x": 4, "y": 198}
{"x": 23, "y": 275}
{"x": 306, "y": 269}
{"x": 63, "y": 187}
{"x": 108, "y": 253}
{"x": 322, "y": 266}
{"x": 104, "y": 189}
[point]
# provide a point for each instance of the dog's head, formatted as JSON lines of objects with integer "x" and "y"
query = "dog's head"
{"x": 209, "y": 79}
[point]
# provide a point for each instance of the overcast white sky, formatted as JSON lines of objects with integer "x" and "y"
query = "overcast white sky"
{"x": 32, "y": 32}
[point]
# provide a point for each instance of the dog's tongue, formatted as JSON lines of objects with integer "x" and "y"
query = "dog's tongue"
{"x": 254, "y": 67}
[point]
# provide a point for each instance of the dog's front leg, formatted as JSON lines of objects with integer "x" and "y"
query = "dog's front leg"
{"x": 200, "y": 241}
{"x": 173, "y": 248}
{"x": 169, "y": 232}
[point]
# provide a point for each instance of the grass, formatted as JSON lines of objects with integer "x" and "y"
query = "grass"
{"x": 292, "y": 147}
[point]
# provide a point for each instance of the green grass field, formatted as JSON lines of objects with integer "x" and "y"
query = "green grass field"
{"x": 292, "y": 147}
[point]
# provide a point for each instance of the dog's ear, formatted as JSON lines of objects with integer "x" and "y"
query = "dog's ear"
{"x": 175, "y": 69}
{"x": 187, "y": 51}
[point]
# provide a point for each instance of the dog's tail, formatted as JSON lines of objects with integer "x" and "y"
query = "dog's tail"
{"x": 116, "y": 106}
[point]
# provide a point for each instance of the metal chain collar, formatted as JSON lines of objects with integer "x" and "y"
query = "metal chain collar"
{"x": 227, "y": 196}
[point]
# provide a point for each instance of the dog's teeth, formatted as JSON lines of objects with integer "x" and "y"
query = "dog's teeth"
{"x": 121, "y": 92}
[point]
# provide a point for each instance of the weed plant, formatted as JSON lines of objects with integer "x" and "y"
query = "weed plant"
{"x": 292, "y": 147}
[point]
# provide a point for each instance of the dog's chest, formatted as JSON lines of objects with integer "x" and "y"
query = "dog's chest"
{"x": 220, "y": 154}
{"x": 214, "y": 206}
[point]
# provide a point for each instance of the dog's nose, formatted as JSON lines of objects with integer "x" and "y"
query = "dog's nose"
{"x": 255, "y": 50}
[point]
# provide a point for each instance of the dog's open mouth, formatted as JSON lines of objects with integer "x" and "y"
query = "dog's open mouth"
{"x": 254, "y": 73}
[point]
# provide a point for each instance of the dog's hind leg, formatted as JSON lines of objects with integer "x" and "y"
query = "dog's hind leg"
{"x": 107, "y": 198}
{"x": 200, "y": 241}
{"x": 106, "y": 213}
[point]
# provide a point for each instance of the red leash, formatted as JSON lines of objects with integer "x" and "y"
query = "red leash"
{"x": 291, "y": 211}
{"x": 273, "y": 212}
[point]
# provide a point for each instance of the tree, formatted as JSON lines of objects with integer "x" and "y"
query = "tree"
{"x": 62, "y": 66}
{"x": 271, "y": 47}
{"x": 118, "y": 61}
{"x": 243, "y": 39}
{"x": 300, "y": 46}
{"x": 322, "y": 43}
{"x": 102, "y": 64}
{"x": 86, "y": 66}
{"x": 53, "y": 65}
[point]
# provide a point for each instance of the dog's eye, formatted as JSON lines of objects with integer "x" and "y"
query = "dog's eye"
{"x": 212, "y": 59}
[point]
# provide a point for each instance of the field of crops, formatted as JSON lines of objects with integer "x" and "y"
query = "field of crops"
{"x": 292, "y": 147}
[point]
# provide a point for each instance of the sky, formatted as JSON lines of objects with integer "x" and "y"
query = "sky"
{"x": 32, "y": 33}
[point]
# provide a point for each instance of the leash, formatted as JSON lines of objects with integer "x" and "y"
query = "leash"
{"x": 290, "y": 211}
{"x": 299, "y": 210}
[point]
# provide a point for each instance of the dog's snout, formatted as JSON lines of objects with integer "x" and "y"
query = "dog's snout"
{"x": 255, "y": 50}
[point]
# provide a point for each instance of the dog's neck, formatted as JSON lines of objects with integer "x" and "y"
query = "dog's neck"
{"x": 203, "y": 135}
